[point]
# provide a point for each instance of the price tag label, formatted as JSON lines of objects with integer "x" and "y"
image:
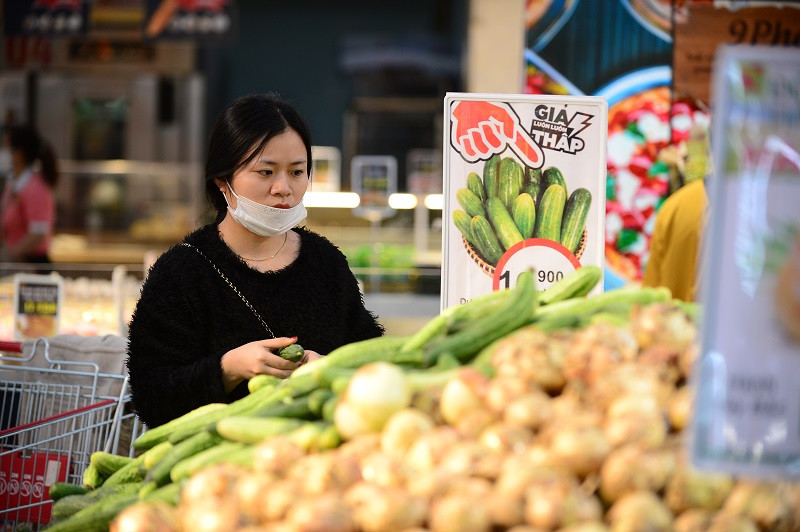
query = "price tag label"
{"x": 550, "y": 260}
{"x": 37, "y": 305}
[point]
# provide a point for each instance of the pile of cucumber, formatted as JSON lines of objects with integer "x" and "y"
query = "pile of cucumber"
{"x": 302, "y": 406}
{"x": 510, "y": 204}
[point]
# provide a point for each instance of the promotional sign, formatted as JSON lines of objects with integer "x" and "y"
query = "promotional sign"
{"x": 56, "y": 18}
{"x": 207, "y": 19}
{"x": 747, "y": 417}
{"x": 37, "y": 305}
{"x": 374, "y": 179}
{"x": 326, "y": 171}
{"x": 704, "y": 27}
{"x": 424, "y": 171}
{"x": 524, "y": 187}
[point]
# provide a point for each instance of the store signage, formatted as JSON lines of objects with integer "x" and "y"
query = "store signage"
{"x": 56, "y": 18}
{"x": 747, "y": 414}
{"x": 374, "y": 179}
{"x": 424, "y": 171}
{"x": 206, "y": 19}
{"x": 705, "y": 27}
{"x": 326, "y": 172}
{"x": 37, "y": 305}
{"x": 524, "y": 187}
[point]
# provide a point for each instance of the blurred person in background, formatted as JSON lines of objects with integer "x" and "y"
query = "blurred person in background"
{"x": 216, "y": 308}
{"x": 27, "y": 206}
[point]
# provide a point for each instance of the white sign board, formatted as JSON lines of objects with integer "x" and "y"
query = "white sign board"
{"x": 524, "y": 187}
{"x": 374, "y": 179}
{"x": 747, "y": 415}
{"x": 37, "y": 305}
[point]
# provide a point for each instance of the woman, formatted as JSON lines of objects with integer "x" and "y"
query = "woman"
{"x": 215, "y": 309}
{"x": 27, "y": 207}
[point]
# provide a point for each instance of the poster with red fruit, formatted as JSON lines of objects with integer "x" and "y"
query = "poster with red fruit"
{"x": 524, "y": 188}
{"x": 747, "y": 418}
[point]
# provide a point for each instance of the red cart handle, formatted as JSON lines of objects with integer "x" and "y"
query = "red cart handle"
{"x": 15, "y": 347}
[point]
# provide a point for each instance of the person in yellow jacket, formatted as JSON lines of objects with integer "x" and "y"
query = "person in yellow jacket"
{"x": 675, "y": 244}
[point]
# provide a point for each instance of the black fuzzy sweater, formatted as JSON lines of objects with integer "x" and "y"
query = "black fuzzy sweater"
{"x": 187, "y": 317}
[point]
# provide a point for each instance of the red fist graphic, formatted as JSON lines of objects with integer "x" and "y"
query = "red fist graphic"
{"x": 481, "y": 129}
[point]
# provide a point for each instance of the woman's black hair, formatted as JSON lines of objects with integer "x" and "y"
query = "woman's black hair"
{"x": 251, "y": 120}
{"x": 33, "y": 147}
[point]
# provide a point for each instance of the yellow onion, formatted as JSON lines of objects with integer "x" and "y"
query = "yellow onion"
{"x": 277, "y": 500}
{"x": 640, "y": 510}
{"x": 694, "y": 520}
{"x": 382, "y": 469}
{"x": 276, "y": 454}
{"x": 580, "y": 449}
{"x": 534, "y": 356}
{"x": 503, "y": 391}
{"x": 146, "y": 517}
{"x": 380, "y": 508}
{"x": 463, "y": 395}
{"x": 403, "y": 429}
{"x": 631, "y": 468}
{"x": 768, "y": 505}
{"x": 503, "y": 438}
{"x": 690, "y": 488}
{"x": 596, "y": 349}
{"x": 374, "y": 393}
{"x": 531, "y": 410}
{"x": 558, "y": 502}
{"x": 506, "y": 509}
{"x": 249, "y": 494}
{"x": 215, "y": 481}
{"x": 429, "y": 449}
{"x": 327, "y": 512}
{"x": 679, "y": 407}
{"x": 722, "y": 522}
{"x": 319, "y": 473}
{"x": 458, "y": 512}
{"x": 211, "y": 515}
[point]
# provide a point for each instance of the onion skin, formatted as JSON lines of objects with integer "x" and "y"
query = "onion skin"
{"x": 146, "y": 517}
{"x": 640, "y": 510}
{"x": 403, "y": 429}
{"x": 379, "y": 508}
{"x": 689, "y": 488}
{"x": 769, "y": 506}
{"x": 276, "y": 454}
{"x": 463, "y": 395}
{"x": 325, "y": 513}
{"x": 459, "y": 513}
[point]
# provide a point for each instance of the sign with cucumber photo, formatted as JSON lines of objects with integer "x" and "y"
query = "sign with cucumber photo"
{"x": 524, "y": 187}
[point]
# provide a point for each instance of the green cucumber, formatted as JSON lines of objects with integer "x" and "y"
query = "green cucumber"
{"x": 292, "y": 353}
{"x": 510, "y": 179}
{"x": 96, "y": 517}
{"x": 469, "y": 202}
{"x": 551, "y": 209}
{"x": 553, "y": 176}
{"x": 573, "y": 285}
{"x": 261, "y": 380}
{"x": 107, "y": 464}
{"x": 475, "y": 184}
{"x": 159, "y": 473}
{"x": 523, "y": 212}
{"x": 491, "y": 172}
{"x": 133, "y": 471}
{"x": 533, "y": 183}
{"x": 575, "y": 213}
{"x": 462, "y": 220}
{"x": 464, "y": 344}
{"x": 247, "y": 429}
{"x": 213, "y": 455}
{"x": 156, "y": 435}
{"x": 92, "y": 478}
{"x": 486, "y": 242}
{"x": 59, "y": 490}
{"x": 504, "y": 226}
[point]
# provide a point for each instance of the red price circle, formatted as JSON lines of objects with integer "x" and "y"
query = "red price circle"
{"x": 550, "y": 260}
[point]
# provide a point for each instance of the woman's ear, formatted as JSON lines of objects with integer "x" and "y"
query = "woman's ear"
{"x": 221, "y": 184}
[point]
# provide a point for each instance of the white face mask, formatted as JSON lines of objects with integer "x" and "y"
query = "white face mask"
{"x": 262, "y": 219}
{"x": 6, "y": 166}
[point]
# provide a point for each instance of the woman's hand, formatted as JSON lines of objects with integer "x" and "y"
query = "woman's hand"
{"x": 309, "y": 355}
{"x": 257, "y": 357}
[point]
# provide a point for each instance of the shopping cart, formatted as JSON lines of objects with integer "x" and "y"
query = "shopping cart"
{"x": 54, "y": 414}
